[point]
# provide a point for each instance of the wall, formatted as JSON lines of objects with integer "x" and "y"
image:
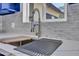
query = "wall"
{"x": 2, "y": 26}
{"x": 65, "y": 30}
{"x": 18, "y": 26}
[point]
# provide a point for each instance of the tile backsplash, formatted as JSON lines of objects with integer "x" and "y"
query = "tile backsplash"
{"x": 65, "y": 30}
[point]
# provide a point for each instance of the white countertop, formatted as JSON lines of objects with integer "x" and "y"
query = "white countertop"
{"x": 8, "y": 50}
{"x": 69, "y": 47}
{"x": 9, "y": 35}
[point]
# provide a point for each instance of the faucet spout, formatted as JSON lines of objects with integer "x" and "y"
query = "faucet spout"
{"x": 33, "y": 25}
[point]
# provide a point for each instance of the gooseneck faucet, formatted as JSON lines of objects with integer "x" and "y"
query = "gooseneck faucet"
{"x": 33, "y": 25}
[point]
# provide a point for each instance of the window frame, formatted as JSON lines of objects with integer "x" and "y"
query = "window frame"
{"x": 25, "y": 12}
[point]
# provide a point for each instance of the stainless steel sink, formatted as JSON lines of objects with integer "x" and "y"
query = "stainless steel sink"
{"x": 41, "y": 47}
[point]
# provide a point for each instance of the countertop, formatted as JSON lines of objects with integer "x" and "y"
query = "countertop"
{"x": 68, "y": 47}
{"x": 10, "y": 35}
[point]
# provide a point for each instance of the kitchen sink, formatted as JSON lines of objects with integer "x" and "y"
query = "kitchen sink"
{"x": 41, "y": 47}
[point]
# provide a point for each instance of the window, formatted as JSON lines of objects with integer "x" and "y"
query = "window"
{"x": 15, "y": 6}
{"x": 49, "y": 12}
{"x": 48, "y": 16}
{"x": 9, "y": 8}
{"x": 56, "y": 12}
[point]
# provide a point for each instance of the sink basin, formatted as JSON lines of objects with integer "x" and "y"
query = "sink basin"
{"x": 41, "y": 47}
